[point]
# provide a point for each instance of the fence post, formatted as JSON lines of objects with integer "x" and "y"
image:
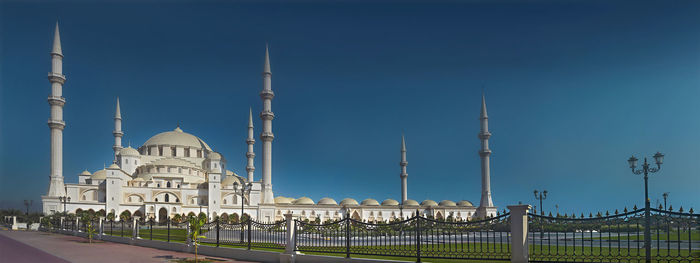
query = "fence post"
{"x": 291, "y": 234}
{"x": 76, "y": 225}
{"x": 14, "y": 223}
{"x": 188, "y": 239}
{"x": 102, "y": 218}
{"x": 62, "y": 227}
{"x": 347, "y": 235}
{"x": 150, "y": 225}
{"x": 418, "y": 217}
{"x": 169, "y": 229}
{"x": 250, "y": 225}
{"x": 135, "y": 228}
{"x": 519, "y": 252}
{"x": 217, "y": 232}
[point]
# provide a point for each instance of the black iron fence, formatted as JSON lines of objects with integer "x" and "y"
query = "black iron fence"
{"x": 615, "y": 238}
{"x": 417, "y": 237}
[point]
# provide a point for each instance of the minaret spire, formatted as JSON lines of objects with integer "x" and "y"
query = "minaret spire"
{"x": 250, "y": 168}
{"x": 485, "y": 204}
{"x": 403, "y": 175}
{"x": 117, "y": 131}
{"x": 56, "y": 124}
{"x": 266, "y": 136}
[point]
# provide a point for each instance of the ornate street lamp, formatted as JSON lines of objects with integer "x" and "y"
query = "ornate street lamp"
{"x": 646, "y": 169}
{"x": 28, "y": 203}
{"x": 64, "y": 200}
{"x": 541, "y": 196}
{"x": 243, "y": 192}
{"x": 665, "y": 195}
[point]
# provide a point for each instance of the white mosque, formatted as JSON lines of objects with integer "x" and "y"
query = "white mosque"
{"x": 175, "y": 172}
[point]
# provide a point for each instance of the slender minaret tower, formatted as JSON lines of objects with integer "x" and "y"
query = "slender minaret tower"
{"x": 403, "y": 175}
{"x": 485, "y": 152}
{"x": 117, "y": 131}
{"x": 266, "y": 136}
{"x": 56, "y": 123}
{"x": 250, "y": 141}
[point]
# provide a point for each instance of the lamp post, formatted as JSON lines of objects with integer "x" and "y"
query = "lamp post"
{"x": 646, "y": 169}
{"x": 541, "y": 196}
{"x": 64, "y": 200}
{"x": 28, "y": 203}
{"x": 665, "y": 195}
{"x": 244, "y": 190}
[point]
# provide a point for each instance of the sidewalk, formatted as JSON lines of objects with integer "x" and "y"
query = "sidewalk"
{"x": 32, "y": 246}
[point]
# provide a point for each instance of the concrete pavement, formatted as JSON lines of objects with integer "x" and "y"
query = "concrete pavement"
{"x": 32, "y": 246}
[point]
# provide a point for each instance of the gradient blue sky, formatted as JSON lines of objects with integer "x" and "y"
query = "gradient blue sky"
{"x": 573, "y": 89}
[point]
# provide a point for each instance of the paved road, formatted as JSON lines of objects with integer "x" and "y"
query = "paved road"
{"x": 27, "y": 246}
{"x": 14, "y": 251}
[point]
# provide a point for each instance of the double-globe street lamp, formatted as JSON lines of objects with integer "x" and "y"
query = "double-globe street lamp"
{"x": 646, "y": 169}
{"x": 243, "y": 191}
{"x": 541, "y": 196}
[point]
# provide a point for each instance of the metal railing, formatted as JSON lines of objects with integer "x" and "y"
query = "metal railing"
{"x": 615, "y": 238}
{"x": 417, "y": 237}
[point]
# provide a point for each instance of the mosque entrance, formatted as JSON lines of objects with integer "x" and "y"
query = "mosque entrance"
{"x": 162, "y": 214}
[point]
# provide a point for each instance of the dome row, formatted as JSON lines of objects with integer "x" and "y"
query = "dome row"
{"x": 369, "y": 202}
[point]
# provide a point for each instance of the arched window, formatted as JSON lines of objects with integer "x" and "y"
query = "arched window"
{"x": 167, "y": 197}
{"x": 158, "y": 185}
{"x": 127, "y": 161}
{"x": 177, "y": 200}
{"x": 156, "y": 199}
{"x": 174, "y": 151}
{"x": 160, "y": 150}
{"x": 168, "y": 185}
{"x": 224, "y": 201}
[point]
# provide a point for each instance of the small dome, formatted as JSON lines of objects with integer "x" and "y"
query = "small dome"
{"x": 326, "y": 201}
{"x": 410, "y": 202}
{"x": 428, "y": 203}
{"x": 281, "y": 200}
{"x": 85, "y": 173}
{"x": 114, "y": 166}
{"x": 464, "y": 203}
{"x": 447, "y": 203}
{"x": 370, "y": 201}
{"x": 128, "y": 151}
{"x": 348, "y": 201}
{"x": 230, "y": 179}
{"x": 390, "y": 202}
{"x": 303, "y": 201}
{"x": 214, "y": 156}
{"x": 99, "y": 175}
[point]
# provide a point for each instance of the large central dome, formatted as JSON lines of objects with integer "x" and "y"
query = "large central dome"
{"x": 177, "y": 138}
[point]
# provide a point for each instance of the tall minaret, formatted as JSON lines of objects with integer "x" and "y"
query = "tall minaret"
{"x": 266, "y": 115}
{"x": 403, "y": 175}
{"x": 56, "y": 123}
{"x": 250, "y": 141}
{"x": 485, "y": 152}
{"x": 117, "y": 131}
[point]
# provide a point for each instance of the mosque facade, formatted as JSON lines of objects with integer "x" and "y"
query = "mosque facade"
{"x": 175, "y": 172}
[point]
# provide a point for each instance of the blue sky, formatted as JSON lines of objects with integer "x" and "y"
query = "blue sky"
{"x": 573, "y": 89}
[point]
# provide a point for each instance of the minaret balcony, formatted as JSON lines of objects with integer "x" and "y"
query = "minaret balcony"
{"x": 250, "y": 154}
{"x": 267, "y": 136}
{"x": 118, "y": 133}
{"x": 267, "y": 94}
{"x": 484, "y": 135}
{"x": 267, "y": 115}
{"x": 250, "y": 140}
{"x": 56, "y": 124}
{"x": 485, "y": 152}
{"x": 56, "y": 100}
{"x": 403, "y": 163}
{"x": 55, "y": 77}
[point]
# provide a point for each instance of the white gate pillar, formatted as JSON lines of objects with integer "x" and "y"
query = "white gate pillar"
{"x": 518, "y": 231}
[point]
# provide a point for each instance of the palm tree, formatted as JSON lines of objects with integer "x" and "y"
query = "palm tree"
{"x": 196, "y": 224}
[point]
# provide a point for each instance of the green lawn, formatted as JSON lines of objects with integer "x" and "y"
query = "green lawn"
{"x": 673, "y": 235}
{"x": 537, "y": 252}
{"x": 588, "y": 254}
